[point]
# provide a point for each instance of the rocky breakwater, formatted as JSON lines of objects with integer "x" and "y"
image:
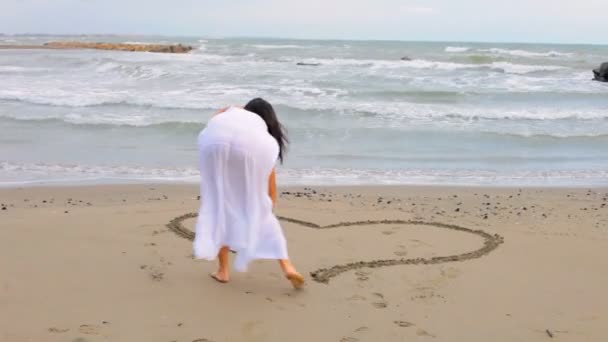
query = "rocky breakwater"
{"x": 179, "y": 48}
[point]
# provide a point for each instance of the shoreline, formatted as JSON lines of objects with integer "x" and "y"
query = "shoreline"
{"x": 188, "y": 184}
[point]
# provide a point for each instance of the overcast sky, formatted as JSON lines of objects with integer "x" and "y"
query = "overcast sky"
{"x": 560, "y": 21}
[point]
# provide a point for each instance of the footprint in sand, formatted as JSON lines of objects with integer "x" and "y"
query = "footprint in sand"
{"x": 450, "y": 273}
{"x": 155, "y": 273}
{"x": 362, "y": 275}
{"x": 419, "y": 243}
{"x": 58, "y": 330}
{"x": 404, "y": 324}
{"x": 157, "y": 276}
{"x": 400, "y": 253}
{"x": 201, "y": 340}
{"x": 381, "y": 303}
{"x": 422, "y": 332}
{"x": 356, "y": 298}
{"x": 88, "y": 329}
{"x": 354, "y": 339}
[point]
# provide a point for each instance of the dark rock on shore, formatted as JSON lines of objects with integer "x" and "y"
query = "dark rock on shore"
{"x": 601, "y": 73}
{"x": 308, "y": 64}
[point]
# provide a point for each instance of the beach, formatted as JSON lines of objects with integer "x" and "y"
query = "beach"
{"x": 432, "y": 191}
{"x": 420, "y": 263}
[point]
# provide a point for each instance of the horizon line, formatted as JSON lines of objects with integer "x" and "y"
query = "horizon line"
{"x": 207, "y": 36}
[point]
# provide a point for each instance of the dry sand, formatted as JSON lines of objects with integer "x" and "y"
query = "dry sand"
{"x": 85, "y": 264}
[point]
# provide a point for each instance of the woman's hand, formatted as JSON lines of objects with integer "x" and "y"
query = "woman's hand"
{"x": 221, "y": 111}
{"x": 225, "y": 109}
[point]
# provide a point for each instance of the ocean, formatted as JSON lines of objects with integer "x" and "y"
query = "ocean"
{"x": 455, "y": 113}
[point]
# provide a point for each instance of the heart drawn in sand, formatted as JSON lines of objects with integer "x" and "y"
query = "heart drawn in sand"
{"x": 323, "y": 275}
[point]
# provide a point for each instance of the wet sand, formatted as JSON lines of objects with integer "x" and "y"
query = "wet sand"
{"x": 114, "y": 263}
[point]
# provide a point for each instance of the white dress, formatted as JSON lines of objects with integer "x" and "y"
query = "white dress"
{"x": 237, "y": 156}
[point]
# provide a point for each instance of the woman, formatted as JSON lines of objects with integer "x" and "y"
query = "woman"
{"x": 238, "y": 151}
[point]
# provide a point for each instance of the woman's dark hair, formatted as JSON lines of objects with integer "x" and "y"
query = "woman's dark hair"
{"x": 264, "y": 109}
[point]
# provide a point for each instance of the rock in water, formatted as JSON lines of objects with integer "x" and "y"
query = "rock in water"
{"x": 406, "y": 58}
{"x": 601, "y": 73}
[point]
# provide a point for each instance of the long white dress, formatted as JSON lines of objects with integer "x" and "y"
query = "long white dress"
{"x": 237, "y": 156}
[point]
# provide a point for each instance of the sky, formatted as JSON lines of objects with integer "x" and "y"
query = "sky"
{"x": 551, "y": 21}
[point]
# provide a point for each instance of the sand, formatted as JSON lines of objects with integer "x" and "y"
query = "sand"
{"x": 103, "y": 263}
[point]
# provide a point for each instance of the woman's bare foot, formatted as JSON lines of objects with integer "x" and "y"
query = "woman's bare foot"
{"x": 223, "y": 273}
{"x": 296, "y": 279}
{"x": 220, "y": 277}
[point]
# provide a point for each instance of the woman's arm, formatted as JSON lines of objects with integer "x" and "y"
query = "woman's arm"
{"x": 273, "y": 187}
{"x": 224, "y": 109}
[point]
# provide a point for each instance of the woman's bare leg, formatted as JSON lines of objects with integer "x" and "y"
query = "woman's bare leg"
{"x": 296, "y": 279}
{"x": 223, "y": 273}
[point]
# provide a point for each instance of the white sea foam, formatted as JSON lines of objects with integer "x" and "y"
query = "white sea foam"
{"x": 11, "y": 68}
{"x": 318, "y": 176}
{"x": 139, "y": 43}
{"x": 401, "y": 113}
{"x": 383, "y": 64}
{"x": 12, "y": 174}
{"x": 513, "y": 68}
{"x": 276, "y": 46}
{"x": 457, "y": 49}
{"x": 63, "y": 97}
{"x": 525, "y": 53}
{"x": 194, "y": 83}
{"x": 425, "y": 64}
{"x": 106, "y": 107}
{"x": 19, "y": 69}
{"x": 506, "y": 67}
{"x": 44, "y": 173}
{"x": 107, "y": 66}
